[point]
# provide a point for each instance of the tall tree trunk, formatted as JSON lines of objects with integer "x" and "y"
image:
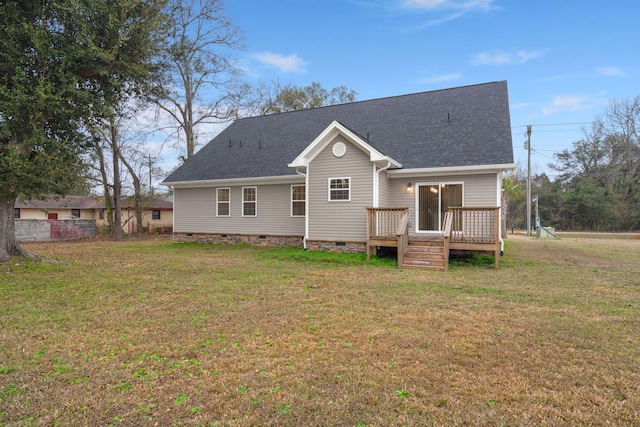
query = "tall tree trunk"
{"x": 188, "y": 113}
{"x": 116, "y": 230}
{"x": 9, "y": 246}
{"x": 137, "y": 196}
{"x": 108, "y": 199}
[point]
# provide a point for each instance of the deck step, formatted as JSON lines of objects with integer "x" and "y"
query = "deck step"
{"x": 421, "y": 254}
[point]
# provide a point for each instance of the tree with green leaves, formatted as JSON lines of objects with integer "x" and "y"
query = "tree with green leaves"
{"x": 512, "y": 193}
{"x": 63, "y": 64}
{"x": 600, "y": 175}
{"x": 280, "y": 99}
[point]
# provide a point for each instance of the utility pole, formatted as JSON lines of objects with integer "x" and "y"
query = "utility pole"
{"x": 528, "y": 147}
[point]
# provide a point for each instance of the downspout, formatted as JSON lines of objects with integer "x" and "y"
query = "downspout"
{"x": 306, "y": 208}
{"x": 173, "y": 211}
{"x": 376, "y": 190}
{"x": 500, "y": 190}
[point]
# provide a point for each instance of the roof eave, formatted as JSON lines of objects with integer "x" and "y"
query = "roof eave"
{"x": 450, "y": 170}
{"x": 282, "y": 179}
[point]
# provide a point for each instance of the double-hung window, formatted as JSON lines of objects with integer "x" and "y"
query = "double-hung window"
{"x": 16, "y": 213}
{"x": 155, "y": 214}
{"x": 339, "y": 189}
{"x": 249, "y": 201}
{"x": 223, "y": 201}
{"x": 298, "y": 200}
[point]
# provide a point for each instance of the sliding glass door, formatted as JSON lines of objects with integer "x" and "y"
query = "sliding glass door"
{"x": 433, "y": 200}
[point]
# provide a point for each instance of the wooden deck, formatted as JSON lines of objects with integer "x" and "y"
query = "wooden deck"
{"x": 464, "y": 229}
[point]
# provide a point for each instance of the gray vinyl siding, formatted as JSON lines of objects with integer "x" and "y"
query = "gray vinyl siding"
{"x": 195, "y": 212}
{"x": 383, "y": 190}
{"x": 192, "y": 209}
{"x": 478, "y": 190}
{"x": 339, "y": 220}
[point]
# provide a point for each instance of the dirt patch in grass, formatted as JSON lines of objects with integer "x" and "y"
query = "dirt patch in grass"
{"x": 149, "y": 332}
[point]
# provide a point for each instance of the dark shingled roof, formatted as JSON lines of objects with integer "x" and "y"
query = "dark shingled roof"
{"x": 464, "y": 126}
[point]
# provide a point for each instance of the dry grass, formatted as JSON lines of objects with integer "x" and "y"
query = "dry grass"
{"x": 155, "y": 333}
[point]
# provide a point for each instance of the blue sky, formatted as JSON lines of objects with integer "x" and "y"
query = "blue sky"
{"x": 563, "y": 59}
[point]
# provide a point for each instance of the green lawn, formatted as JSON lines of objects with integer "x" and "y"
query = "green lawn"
{"x": 147, "y": 332}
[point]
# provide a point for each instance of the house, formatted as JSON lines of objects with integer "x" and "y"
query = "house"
{"x": 156, "y": 215}
{"x": 62, "y": 208}
{"x": 355, "y": 176}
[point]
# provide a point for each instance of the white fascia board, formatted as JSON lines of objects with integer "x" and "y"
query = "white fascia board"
{"x": 451, "y": 170}
{"x": 283, "y": 179}
{"x": 327, "y": 135}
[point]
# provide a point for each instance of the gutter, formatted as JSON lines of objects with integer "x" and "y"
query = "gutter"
{"x": 376, "y": 190}
{"x": 306, "y": 207}
{"x": 458, "y": 170}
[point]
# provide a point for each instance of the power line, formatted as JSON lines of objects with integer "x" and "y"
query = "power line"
{"x": 554, "y": 124}
{"x": 558, "y": 130}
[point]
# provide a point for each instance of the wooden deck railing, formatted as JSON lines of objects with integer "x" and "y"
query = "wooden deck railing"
{"x": 475, "y": 224}
{"x": 464, "y": 228}
{"x": 446, "y": 237}
{"x": 387, "y": 227}
{"x": 476, "y": 228}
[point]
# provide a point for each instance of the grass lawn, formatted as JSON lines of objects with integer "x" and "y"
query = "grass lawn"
{"x": 148, "y": 332}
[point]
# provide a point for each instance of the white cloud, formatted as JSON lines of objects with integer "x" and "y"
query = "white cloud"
{"x": 446, "y": 4}
{"x": 493, "y": 58}
{"x": 287, "y": 64}
{"x": 524, "y": 56}
{"x": 441, "y": 78}
{"x": 520, "y": 105}
{"x": 611, "y": 71}
{"x": 565, "y": 103}
{"x": 449, "y": 9}
{"x": 500, "y": 57}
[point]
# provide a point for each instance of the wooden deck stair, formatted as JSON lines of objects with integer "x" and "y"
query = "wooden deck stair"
{"x": 427, "y": 255}
{"x": 475, "y": 228}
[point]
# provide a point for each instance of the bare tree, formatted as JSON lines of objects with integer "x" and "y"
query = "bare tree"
{"x": 201, "y": 82}
{"x": 120, "y": 161}
{"x": 105, "y": 149}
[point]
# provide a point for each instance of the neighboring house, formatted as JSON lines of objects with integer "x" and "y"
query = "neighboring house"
{"x": 61, "y": 208}
{"x": 157, "y": 215}
{"x": 305, "y": 177}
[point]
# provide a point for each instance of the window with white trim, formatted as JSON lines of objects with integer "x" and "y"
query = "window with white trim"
{"x": 223, "y": 202}
{"x": 249, "y": 201}
{"x": 339, "y": 189}
{"x": 298, "y": 200}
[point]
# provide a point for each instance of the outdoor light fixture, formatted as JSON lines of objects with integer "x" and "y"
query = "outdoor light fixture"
{"x": 409, "y": 187}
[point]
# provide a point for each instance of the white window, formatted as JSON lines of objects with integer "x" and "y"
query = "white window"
{"x": 249, "y": 201}
{"x": 298, "y": 200}
{"x": 340, "y": 189}
{"x": 223, "y": 205}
